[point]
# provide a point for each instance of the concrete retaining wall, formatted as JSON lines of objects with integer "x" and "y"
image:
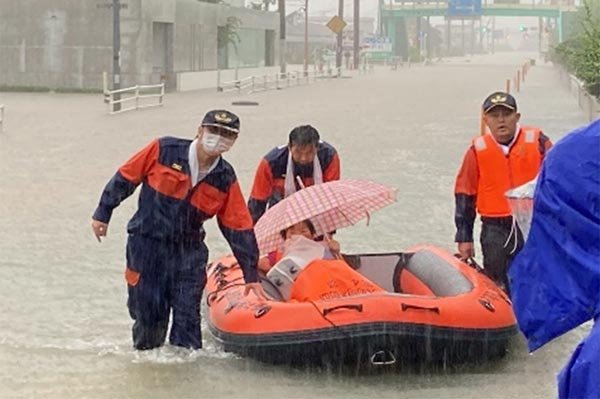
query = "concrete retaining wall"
{"x": 587, "y": 102}
{"x": 68, "y": 43}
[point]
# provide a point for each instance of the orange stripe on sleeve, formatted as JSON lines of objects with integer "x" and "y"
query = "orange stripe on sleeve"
{"x": 467, "y": 179}
{"x": 138, "y": 166}
{"x": 234, "y": 214}
{"x": 332, "y": 172}
{"x": 263, "y": 182}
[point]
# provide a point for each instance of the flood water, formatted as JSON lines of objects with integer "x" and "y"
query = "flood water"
{"x": 65, "y": 330}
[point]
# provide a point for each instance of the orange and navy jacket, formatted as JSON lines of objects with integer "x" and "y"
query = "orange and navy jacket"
{"x": 269, "y": 182}
{"x": 486, "y": 174}
{"x": 169, "y": 208}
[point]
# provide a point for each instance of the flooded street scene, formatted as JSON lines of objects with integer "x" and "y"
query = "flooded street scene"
{"x": 67, "y": 331}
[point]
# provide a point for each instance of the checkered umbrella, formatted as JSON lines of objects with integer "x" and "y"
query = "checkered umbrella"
{"x": 330, "y": 206}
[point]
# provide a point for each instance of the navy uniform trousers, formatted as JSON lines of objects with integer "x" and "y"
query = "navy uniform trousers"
{"x": 500, "y": 243}
{"x": 172, "y": 276}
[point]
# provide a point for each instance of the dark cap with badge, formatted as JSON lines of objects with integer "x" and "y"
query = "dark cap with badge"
{"x": 499, "y": 99}
{"x": 223, "y": 119}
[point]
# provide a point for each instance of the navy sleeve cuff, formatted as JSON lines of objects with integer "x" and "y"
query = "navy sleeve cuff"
{"x": 102, "y": 214}
{"x": 250, "y": 275}
{"x": 464, "y": 217}
{"x": 464, "y": 235}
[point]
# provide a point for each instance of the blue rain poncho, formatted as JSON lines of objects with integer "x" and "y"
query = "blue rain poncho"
{"x": 555, "y": 280}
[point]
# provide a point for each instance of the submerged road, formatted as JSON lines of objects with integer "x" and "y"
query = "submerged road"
{"x": 65, "y": 327}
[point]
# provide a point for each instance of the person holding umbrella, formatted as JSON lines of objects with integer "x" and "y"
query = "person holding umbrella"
{"x": 307, "y": 269}
{"x": 184, "y": 183}
{"x": 330, "y": 206}
{"x": 304, "y": 229}
{"x": 305, "y": 157}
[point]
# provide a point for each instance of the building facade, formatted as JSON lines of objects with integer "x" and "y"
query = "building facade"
{"x": 68, "y": 43}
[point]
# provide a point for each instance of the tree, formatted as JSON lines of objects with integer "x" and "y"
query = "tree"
{"x": 230, "y": 33}
{"x": 580, "y": 53}
{"x": 227, "y": 35}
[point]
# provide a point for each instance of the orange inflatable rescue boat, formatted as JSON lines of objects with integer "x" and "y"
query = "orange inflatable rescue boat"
{"x": 414, "y": 306}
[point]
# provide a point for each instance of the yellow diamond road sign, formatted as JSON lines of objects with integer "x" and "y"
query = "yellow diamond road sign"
{"x": 336, "y": 24}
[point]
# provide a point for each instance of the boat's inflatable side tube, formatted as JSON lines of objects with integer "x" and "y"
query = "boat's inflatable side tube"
{"x": 442, "y": 278}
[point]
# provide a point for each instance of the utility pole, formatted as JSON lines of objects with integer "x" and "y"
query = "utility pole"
{"x": 448, "y": 36}
{"x": 481, "y": 32}
{"x": 472, "y": 37}
{"x": 493, "y": 35}
{"x": 428, "y": 39}
{"x": 340, "y": 39}
{"x": 356, "y": 33}
{"x": 305, "y": 37}
{"x": 464, "y": 51}
{"x": 116, "y": 52}
{"x": 380, "y": 18}
{"x": 419, "y": 38}
{"x": 281, "y": 7}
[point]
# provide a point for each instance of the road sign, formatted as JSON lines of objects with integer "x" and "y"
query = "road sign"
{"x": 464, "y": 8}
{"x": 377, "y": 44}
{"x": 336, "y": 24}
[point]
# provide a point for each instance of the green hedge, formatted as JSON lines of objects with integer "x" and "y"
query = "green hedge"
{"x": 580, "y": 53}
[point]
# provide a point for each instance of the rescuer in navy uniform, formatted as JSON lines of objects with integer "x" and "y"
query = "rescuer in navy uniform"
{"x": 184, "y": 182}
{"x": 305, "y": 157}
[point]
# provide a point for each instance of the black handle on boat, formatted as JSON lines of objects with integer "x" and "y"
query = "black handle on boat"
{"x": 357, "y": 307}
{"x": 471, "y": 262}
{"x": 406, "y": 306}
{"x": 219, "y": 268}
{"x": 210, "y": 298}
{"x": 260, "y": 312}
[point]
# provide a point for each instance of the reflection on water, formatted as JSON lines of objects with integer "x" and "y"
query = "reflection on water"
{"x": 66, "y": 331}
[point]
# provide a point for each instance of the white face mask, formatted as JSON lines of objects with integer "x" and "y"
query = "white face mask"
{"x": 214, "y": 143}
{"x": 303, "y": 247}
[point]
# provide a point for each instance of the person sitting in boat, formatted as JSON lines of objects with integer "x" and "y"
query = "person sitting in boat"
{"x": 306, "y": 229}
{"x": 308, "y": 270}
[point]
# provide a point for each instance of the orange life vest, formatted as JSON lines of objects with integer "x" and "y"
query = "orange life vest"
{"x": 498, "y": 173}
{"x": 330, "y": 279}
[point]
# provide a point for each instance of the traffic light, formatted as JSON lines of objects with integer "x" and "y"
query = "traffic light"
{"x": 484, "y": 29}
{"x": 522, "y": 28}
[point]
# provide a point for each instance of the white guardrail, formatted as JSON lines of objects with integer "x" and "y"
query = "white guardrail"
{"x": 276, "y": 81}
{"x": 132, "y": 98}
{"x": 1, "y": 117}
{"x": 286, "y": 79}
